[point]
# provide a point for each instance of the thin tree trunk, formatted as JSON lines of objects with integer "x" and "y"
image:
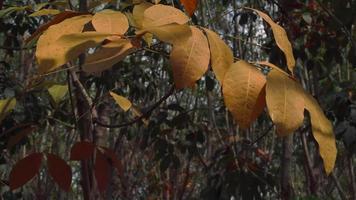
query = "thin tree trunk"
{"x": 352, "y": 177}
{"x": 287, "y": 191}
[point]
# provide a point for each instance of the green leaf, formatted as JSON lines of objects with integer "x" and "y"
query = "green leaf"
{"x": 58, "y": 92}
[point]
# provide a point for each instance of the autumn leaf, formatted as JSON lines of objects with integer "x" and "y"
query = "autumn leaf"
{"x": 159, "y": 15}
{"x": 123, "y": 102}
{"x": 190, "y": 59}
{"x": 18, "y": 136}
{"x": 138, "y": 13}
{"x": 49, "y": 54}
{"x": 281, "y": 38}
{"x": 243, "y": 90}
{"x": 108, "y": 55}
{"x": 56, "y": 20}
{"x": 322, "y": 132}
{"x": 190, "y": 6}
{"x": 58, "y": 92}
{"x": 171, "y": 33}
{"x": 102, "y": 171}
{"x": 60, "y": 171}
{"x": 6, "y": 105}
{"x": 43, "y": 12}
{"x": 221, "y": 55}
{"x": 285, "y": 102}
{"x": 110, "y": 21}
{"x": 82, "y": 151}
{"x": 24, "y": 170}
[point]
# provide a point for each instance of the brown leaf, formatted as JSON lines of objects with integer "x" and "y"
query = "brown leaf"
{"x": 221, "y": 55}
{"x": 190, "y": 59}
{"x": 108, "y": 56}
{"x": 114, "y": 160}
{"x": 281, "y": 38}
{"x": 243, "y": 90}
{"x": 17, "y": 137}
{"x": 102, "y": 171}
{"x": 82, "y": 151}
{"x": 159, "y": 15}
{"x": 322, "y": 132}
{"x": 49, "y": 54}
{"x": 110, "y": 21}
{"x": 60, "y": 171}
{"x": 25, "y": 170}
{"x": 190, "y": 6}
{"x": 285, "y": 102}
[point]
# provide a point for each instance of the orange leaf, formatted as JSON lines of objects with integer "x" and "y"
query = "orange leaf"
{"x": 102, "y": 171}
{"x": 60, "y": 171}
{"x": 159, "y": 15}
{"x": 110, "y": 21}
{"x": 190, "y": 6}
{"x": 190, "y": 59}
{"x": 25, "y": 170}
{"x": 243, "y": 90}
{"x": 82, "y": 151}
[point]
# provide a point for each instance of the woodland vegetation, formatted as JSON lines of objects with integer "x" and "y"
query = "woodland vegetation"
{"x": 178, "y": 99}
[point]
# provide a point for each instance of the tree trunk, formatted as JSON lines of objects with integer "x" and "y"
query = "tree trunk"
{"x": 287, "y": 191}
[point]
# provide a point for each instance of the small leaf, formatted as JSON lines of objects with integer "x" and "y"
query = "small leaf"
{"x": 322, "y": 132}
{"x": 82, "y": 151}
{"x": 124, "y": 103}
{"x": 171, "y": 33}
{"x": 110, "y": 21}
{"x": 190, "y": 6}
{"x": 159, "y": 15}
{"x": 281, "y": 38}
{"x": 6, "y": 105}
{"x": 60, "y": 171}
{"x": 18, "y": 136}
{"x": 108, "y": 56}
{"x": 285, "y": 102}
{"x": 221, "y": 55}
{"x": 102, "y": 171}
{"x": 43, "y": 12}
{"x": 25, "y": 170}
{"x": 190, "y": 59}
{"x": 58, "y": 92}
{"x": 49, "y": 54}
{"x": 243, "y": 90}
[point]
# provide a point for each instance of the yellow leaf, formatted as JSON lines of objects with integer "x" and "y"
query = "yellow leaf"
{"x": 322, "y": 132}
{"x": 159, "y": 15}
{"x": 69, "y": 47}
{"x": 281, "y": 38}
{"x": 110, "y": 21}
{"x": 138, "y": 12}
{"x": 190, "y": 6}
{"x": 6, "y": 105}
{"x": 58, "y": 92}
{"x": 108, "y": 55}
{"x": 46, "y": 50}
{"x": 157, "y": 1}
{"x": 285, "y": 102}
{"x": 171, "y": 33}
{"x": 221, "y": 55}
{"x": 45, "y": 12}
{"x": 124, "y": 103}
{"x": 190, "y": 59}
{"x": 243, "y": 90}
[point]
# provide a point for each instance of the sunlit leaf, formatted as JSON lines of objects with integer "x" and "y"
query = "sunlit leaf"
{"x": 108, "y": 55}
{"x": 60, "y": 171}
{"x": 190, "y": 6}
{"x": 58, "y": 92}
{"x": 281, "y": 38}
{"x": 43, "y": 12}
{"x": 123, "y": 102}
{"x": 190, "y": 59}
{"x": 285, "y": 102}
{"x": 322, "y": 132}
{"x": 171, "y": 33}
{"x": 221, "y": 55}
{"x": 6, "y": 105}
{"x": 243, "y": 90}
{"x": 25, "y": 170}
{"x": 82, "y": 151}
{"x": 159, "y": 15}
{"x": 110, "y": 21}
{"x": 51, "y": 55}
